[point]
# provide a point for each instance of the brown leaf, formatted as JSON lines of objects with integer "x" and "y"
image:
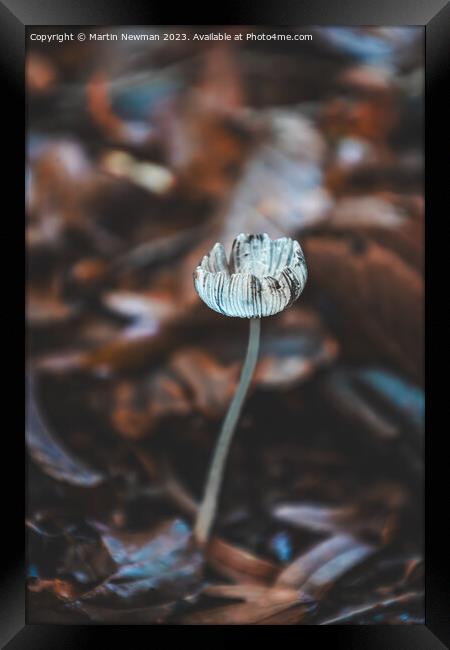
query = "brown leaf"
{"x": 137, "y": 407}
{"x": 48, "y": 311}
{"x": 260, "y": 603}
{"x": 318, "y": 569}
{"x": 62, "y": 589}
{"x": 375, "y": 292}
{"x": 368, "y": 106}
{"x": 99, "y": 106}
{"x": 392, "y": 220}
{"x": 366, "y": 211}
{"x": 134, "y": 347}
{"x": 239, "y": 564}
{"x": 40, "y": 73}
{"x": 204, "y": 143}
{"x": 203, "y": 379}
{"x": 61, "y": 173}
{"x": 221, "y": 88}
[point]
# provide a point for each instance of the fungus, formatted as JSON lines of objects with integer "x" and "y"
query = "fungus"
{"x": 262, "y": 278}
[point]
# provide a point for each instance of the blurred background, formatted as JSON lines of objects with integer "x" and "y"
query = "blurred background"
{"x": 140, "y": 156}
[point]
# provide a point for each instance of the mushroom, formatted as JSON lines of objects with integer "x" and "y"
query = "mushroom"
{"x": 262, "y": 278}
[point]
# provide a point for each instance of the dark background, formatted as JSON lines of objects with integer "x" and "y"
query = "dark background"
{"x": 139, "y": 158}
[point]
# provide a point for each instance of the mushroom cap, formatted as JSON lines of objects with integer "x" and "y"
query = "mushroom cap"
{"x": 262, "y": 277}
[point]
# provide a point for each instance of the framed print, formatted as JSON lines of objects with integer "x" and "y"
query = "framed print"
{"x": 228, "y": 222}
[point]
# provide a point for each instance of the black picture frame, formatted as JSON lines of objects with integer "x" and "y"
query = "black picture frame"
{"x": 15, "y": 16}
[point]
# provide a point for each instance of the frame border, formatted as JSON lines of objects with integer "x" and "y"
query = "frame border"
{"x": 434, "y": 15}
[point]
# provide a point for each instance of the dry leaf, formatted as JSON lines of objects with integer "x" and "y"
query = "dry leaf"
{"x": 50, "y": 455}
{"x": 320, "y": 567}
{"x": 374, "y": 291}
{"x": 260, "y": 604}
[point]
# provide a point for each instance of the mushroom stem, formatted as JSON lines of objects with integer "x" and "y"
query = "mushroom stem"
{"x": 208, "y": 506}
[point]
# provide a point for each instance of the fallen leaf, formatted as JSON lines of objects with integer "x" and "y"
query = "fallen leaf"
{"x": 366, "y": 516}
{"x": 402, "y": 397}
{"x": 40, "y": 73}
{"x": 204, "y": 142}
{"x": 383, "y": 404}
{"x": 127, "y": 616}
{"x": 319, "y": 568}
{"x": 62, "y": 589}
{"x": 239, "y": 564}
{"x": 347, "y": 399}
{"x": 153, "y": 568}
{"x": 66, "y": 554}
{"x": 374, "y": 291}
{"x": 203, "y": 379}
{"x": 314, "y": 517}
{"x": 349, "y": 614}
{"x": 43, "y": 312}
{"x": 50, "y": 455}
{"x": 260, "y": 603}
{"x": 153, "y": 573}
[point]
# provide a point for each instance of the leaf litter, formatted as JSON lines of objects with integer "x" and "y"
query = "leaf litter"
{"x": 319, "y": 521}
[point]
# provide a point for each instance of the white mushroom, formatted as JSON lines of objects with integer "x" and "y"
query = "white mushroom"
{"x": 261, "y": 278}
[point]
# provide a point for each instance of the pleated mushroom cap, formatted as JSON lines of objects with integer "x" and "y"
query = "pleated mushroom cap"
{"x": 261, "y": 278}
